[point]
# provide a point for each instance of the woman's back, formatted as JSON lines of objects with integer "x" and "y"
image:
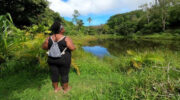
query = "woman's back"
{"x": 61, "y": 42}
{"x": 60, "y": 39}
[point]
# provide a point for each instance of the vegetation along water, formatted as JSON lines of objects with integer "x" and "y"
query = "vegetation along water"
{"x": 135, "y": 55}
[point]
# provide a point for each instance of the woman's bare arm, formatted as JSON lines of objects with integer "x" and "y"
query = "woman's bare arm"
{"x": 45, "y": 44}
{"x": 70, "y": 44}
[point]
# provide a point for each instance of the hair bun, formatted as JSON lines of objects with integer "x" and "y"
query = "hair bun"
{"x": 56, "y": 27}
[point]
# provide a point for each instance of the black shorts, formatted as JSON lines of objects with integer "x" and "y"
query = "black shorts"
{"x": 59, "y": 72}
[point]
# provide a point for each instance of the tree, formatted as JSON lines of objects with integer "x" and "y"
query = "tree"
{"x": 76, "y": 14}
{"x": 147, "y": 11}
{"x": 174, "y": 14}
{"x": 124, "y": 24}
{"x": 105, "y": 29}
{"x": 80, "y": 24}
{"x": 23, "y": 12}
{"x": 163, "y": 11}
{"x": 47, "y": 17}
{"x": 89, "y": 20}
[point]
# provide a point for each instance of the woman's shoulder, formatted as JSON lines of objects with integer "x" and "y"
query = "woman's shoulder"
{"x": 67, "y": 38}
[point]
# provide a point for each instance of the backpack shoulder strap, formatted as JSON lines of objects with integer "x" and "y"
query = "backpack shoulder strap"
{"x": 52, "y": 39}
{"x": 61, "y": 38}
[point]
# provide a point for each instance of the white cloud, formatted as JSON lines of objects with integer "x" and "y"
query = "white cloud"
{"x": 85, "y": 7}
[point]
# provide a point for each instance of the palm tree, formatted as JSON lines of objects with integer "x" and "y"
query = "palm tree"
{"x": 89, "y": 20}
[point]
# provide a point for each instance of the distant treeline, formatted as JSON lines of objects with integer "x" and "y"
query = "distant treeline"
{"x": 152, "y": 18}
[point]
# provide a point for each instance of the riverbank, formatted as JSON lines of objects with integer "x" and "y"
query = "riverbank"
{"x": 162, "y": 36}
{"x": 110, "y": 78}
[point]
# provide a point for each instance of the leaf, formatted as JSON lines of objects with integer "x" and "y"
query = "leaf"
{"x": 154, "y": 58}
{"x": 10, "y": 18}
{"x": 75, "y": 67}
{"x": 2, "y": 59}
{"x": 129, "y": 71}
{"x": 137, "y": 65}
{"x": 130, "y": 52}
{"x": 138, "y": 58}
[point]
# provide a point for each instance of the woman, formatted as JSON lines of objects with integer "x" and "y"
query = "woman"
{"x": 59, "y": 70}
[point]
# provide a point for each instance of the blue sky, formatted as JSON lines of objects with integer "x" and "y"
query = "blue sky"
{"x": 96, "y": 19}
{"x": 65, "y": 0}
{"x": 99, "y": 10}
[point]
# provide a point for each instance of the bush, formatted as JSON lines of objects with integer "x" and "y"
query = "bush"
{"x": 177, "y": 31}
{"x": 38, "y": 29}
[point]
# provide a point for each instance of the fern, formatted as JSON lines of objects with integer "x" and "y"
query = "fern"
{"x": 138, "y": 60}
{"x": 75, "y": 67}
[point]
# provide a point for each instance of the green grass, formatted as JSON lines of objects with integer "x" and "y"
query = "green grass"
{"x": 164, "y": 35}
{"x": 100, "y": 79}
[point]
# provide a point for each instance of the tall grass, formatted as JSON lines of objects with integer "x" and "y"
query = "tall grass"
{"x": 9, "y": 37}
{"x": 5, "y": 23}
{"x": 19, "y": 50}
{"x": 99, "y": 79}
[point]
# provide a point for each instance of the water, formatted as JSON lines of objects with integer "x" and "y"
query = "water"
{"x": 114, "y": 47}
{"x": 97, "y": 50}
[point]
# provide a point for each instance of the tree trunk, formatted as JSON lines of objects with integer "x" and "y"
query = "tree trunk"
{"x": 156, "y": 2}
{"x": 163, "y": 23}
{"x": 148, "y": 18}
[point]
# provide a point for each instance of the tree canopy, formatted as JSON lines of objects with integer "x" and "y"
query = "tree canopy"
{"x": 152, "y": 18}
{"x": 28, "y": 12}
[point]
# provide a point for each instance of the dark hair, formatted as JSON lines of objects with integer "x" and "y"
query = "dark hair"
{"x": 56, "y": 27}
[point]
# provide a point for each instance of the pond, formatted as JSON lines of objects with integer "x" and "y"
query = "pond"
{"x": 103, "y": 47}
{"x": 97, "y": 50}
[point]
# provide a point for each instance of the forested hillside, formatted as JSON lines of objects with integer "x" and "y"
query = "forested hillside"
{"x": 161, "y": 16}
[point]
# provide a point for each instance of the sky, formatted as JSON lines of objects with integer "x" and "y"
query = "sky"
{"x": 99, "y": 10}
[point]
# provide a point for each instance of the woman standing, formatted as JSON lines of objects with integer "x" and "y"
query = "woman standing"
{"x": 59, "y": 69}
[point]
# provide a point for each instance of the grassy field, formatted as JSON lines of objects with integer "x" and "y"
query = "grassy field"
{"x": 110, "y": 78}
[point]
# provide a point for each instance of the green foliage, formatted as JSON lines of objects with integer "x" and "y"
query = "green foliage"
{"x": 23, "y": 62}
{"x": 104, "y": 29}
{"x": 18, "y": 48}
{"x": 80, "y": 24}
{"x": 174, "y": 18}
{"x": 23, "y": 11}
{"x": 153, "y": 18}
{"x": 124, "y": 24}
{"x": 75, "y": 15}
{"x": 71, "y": 29}
{"x": 6, "y": 24}
{"x": 34, "y": 29}
{"x": 9, "y": 35}
{"x": 47, "y": 18}
{"x": 28, "y": 12}
{"x": 138, "y": 61}
{"x": 99, "y": 79}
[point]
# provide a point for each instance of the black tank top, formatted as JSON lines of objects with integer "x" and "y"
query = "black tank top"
{"x": 62, "y": 45}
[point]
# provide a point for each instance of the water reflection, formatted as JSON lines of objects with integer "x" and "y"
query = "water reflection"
{"x": 120, "y": 46}
{"x": 97, "y": 50}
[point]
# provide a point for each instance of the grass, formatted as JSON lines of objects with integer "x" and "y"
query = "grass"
{"x": 100, "y": 79}
{"x": 164, "y": 35}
